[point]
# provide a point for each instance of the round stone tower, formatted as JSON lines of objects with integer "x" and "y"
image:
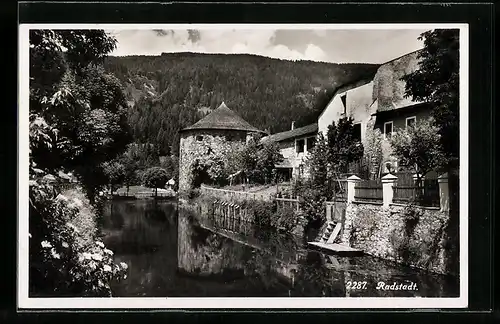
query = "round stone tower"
{"x": 221, "y": 131}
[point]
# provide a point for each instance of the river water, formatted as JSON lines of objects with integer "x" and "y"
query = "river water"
{"x": 170, "y": 253}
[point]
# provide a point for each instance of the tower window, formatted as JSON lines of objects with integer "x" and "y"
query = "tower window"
{"x": 357, "y": 131}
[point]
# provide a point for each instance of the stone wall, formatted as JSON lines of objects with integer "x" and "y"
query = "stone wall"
{"x": 391, "y": 233}
{"x": 196, "y": 144}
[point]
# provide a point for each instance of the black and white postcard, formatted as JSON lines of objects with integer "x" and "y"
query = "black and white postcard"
{"x": 240, "y": 166}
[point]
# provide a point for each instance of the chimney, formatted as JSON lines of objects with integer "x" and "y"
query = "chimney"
{"x": 293, "y": 125}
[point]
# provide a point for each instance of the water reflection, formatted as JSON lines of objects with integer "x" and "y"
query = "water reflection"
{"x": 175, "y": 252}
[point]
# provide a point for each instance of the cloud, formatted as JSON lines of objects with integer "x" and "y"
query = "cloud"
{"x": 259, "y": 42}
{"x": 337, "y": 46}
{"x": 314, "y": 53}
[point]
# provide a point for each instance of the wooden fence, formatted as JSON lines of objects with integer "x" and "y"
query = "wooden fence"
{"x": 287, "y": 203}
{"x": 235, "y": 195}
{"x": 406, "y": 189}
{"x": 358, "y": 168}
{"x": 369, "y": 190}
{"x": 146, "y": 194}
{"x": 231, "y": 221}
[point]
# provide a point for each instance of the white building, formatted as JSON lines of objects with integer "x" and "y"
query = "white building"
{"x": 295, "y": 145}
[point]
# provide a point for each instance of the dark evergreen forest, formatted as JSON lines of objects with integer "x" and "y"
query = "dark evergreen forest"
{"x": 172, "y": 91}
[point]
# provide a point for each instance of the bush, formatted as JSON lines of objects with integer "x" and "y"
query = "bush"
{"x": 262, "y": 212}
{"x": 66, "y": 257}
{"x": 312, "y": 202}
{"x": 286, "y": 219}
{"x": 419, "y": 147}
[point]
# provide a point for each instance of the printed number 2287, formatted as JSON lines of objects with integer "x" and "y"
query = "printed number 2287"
{"x": 356, "y": 285}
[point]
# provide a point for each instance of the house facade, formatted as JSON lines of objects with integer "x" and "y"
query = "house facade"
{"x": 295, "y": 146}
{"x": 378, "y": 103}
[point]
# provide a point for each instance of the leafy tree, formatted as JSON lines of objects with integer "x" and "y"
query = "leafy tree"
{"x": 437, "y": 81}
{"x": 316, "y": 190}
{"x": 331, "y": 155}
{"x": 155, "y": 177}
{"x": 84, "y": 108}
{"x": 374, "y": 151}
{"x": 245, "y": 160}
{"x": 419, "y": 147}
{"x": 343, "y": 147}
{"x": 77, "y": 122}
{"x": 268, "y": 155}
{"x": 130, "y": 171}
{"x": 114, "y": 172}
{"x": 318, "y": 164}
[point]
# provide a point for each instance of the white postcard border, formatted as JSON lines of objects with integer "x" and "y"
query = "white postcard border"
{"x": 25, "y": 302}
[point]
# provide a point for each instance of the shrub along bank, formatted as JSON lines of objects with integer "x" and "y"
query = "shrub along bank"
{"x": 67, "y": 257}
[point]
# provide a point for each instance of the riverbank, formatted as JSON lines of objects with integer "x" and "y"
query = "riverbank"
{"x": 140, "y": 192}
{"x": 385, "y": 232}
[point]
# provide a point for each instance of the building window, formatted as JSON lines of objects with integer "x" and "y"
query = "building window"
{"x": 344, "y": 102}
{"x": 310, "y": 143}
{"x": 357, "y": 131}
{"x": 199, "y": 138}
{"x": 300, "y": 146}
{"x": 388, "y": 129}
{"x": 410, "y": 121}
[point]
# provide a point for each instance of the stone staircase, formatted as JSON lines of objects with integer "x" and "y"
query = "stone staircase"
{"x": 331, "y": 232}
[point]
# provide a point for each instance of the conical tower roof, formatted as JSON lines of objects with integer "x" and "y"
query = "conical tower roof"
{"x": 223, "y": 118}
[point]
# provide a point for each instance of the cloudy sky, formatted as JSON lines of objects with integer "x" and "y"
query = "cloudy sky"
{"x": 337, "y": 46}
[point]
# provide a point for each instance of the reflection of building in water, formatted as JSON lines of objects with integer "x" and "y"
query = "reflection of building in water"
{"x": 224, "y": 245}
{"x": 203, "y": 253}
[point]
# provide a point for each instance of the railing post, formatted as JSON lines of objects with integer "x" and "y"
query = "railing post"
{"x": 387, "y": 191}
{"x": 444, "y": 193}
{"x": 351, "y": 184}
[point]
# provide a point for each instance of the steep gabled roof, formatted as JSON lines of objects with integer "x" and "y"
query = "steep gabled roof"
{"x": 351, "y": 85}
{"x": 388, "y": 86}
{"x": 375, "y": 77}
{"x": 301, "y": 131}
{"x": 223, "y": 118}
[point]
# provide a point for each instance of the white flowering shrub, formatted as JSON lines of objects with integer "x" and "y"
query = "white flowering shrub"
{"x": 67, "y": 259}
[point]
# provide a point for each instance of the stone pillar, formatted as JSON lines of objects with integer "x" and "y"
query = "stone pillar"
{"x": 351, "y": 184}
{"x": 444, "y": 193}
{"x": 387, "y": 183}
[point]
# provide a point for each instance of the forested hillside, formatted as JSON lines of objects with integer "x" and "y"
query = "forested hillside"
{"x": 172, "y": 91}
